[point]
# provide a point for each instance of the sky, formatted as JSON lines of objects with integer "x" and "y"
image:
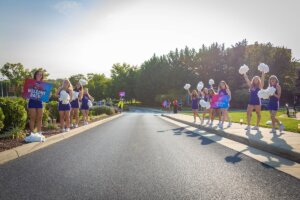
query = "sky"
{"x": 68, "y": 37}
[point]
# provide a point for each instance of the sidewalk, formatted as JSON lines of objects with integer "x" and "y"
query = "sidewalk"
{"x": 286, "y": 144}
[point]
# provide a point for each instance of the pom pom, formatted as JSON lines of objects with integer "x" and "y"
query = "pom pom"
{"x": 263, "y": 68}
{"x": 211, "y": 82}
{"x": 207, "y": 105}
{"x": 200, "y": 86}
{"x": 202, "y": 103}
{"x": 263, "y": 94}
{"x": 187, "y": 86}
{"x": 90, "y": 104}
{"x": 75, "y": 95}
{"x": 243, "y": 69}
{"x": 64, "y": 97}
{"x": 83, "y": 82}
{"x": 271, "y": 91}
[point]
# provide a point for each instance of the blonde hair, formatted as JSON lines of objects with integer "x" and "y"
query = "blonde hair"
{"x": 70, "y": 87}
{"x": 226, "y": 86}
{"x": 259, "y": 81}
{"x": 194, "y": 93}
{"x": 275, "y": 78}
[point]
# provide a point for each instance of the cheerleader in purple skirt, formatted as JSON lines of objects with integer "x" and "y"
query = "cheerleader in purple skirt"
{"x": 195, "y": 97}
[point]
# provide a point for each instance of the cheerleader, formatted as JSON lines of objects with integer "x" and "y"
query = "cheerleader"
{"x": 85, "y": 105}
{"x": 75, "y": 105}
{"x": 224, "y": 91}
{"x": 195, "y": 97}
{"x": 213, "y": 109}
{"x": 65, "y": 93}
{"x": 274, "y": 103}
{"x": 255, "y": 85}
{"x": 35, "y": 107}
{"x": 206, "y": 97}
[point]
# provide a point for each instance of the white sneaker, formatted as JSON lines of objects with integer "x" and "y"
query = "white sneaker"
{"x": 255, "y": 128}
{"x": 221, "y": 126}
{"x": 273, "y": 130}
{"x": 62, "y": 130}
{"x": 229, "y": 125}
{"x": 281, "y": 128}
{"x": 247, "y": 128}
{"x": 72, "y": 126}
{"x": 67, "y": 129}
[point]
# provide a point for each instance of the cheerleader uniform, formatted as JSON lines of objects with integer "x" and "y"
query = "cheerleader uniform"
{"x": 84, "y": 102}
{"x": 34, "y": 103}
{"x": 273, "y": 102}
{"x": 75, "y": 102}
{"x": 223, "y": 92}
{"x": 253, "y": 98}
{"x": 64, "y": 107}
{"x": 195, "y": 103}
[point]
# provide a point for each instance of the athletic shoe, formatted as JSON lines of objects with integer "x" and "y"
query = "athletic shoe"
{"x": 247, "y": 128}
{"x": 207, "y": 123}
{"x": 67, "y": 129}
{"x": 229, "y": 125}
{"x": 281, "y": 128}
{"x": 273, "y": 130}
{"x": 62, "y": 130}
{"x": 255, "y": 128}
{"x": 220, "y": 126}
{"x": 72, "y": 125}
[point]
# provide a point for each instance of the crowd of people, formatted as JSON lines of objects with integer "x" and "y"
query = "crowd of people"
{"x": 70, "y": 101}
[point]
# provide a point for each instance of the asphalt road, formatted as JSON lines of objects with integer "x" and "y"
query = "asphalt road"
{"x": 140, "y": 156}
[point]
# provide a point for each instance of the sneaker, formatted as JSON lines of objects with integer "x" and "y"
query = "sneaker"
{"x": 62, "y": 130}
{"x": 207, "y": 123}
{"x": 72, "y": 125}
{"x": 67, "y": 129}
{"x": 202, "y": 121}
{"x": 255, "y": 128}
{"x": 273, "y": 130}
{"x": 220, "y": 126}
{"x": 281, "y": 128}
{"x": 247, "y": 128}
{"x": 229, "y": 125}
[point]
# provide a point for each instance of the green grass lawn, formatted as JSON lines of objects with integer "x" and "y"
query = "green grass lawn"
{"x": 290, "y": 124}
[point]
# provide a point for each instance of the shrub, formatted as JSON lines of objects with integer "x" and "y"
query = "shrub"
{"x": 52, "y": 107}
{"x": 2, "y": 117}
{"x": 45, "y": 117}
{"x": 15, "y": 113}
{"x": 240, "y": 98}
{"x": 103, "y": 110}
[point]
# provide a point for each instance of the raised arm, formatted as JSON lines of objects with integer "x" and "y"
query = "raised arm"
{"x": 262, "y": 80}
{"x": 189, "y": 92}
{"x": 247, "y": 80}
{"x": 229, "y": 94}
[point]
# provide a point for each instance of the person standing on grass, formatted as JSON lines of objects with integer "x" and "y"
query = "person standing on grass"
{"x": 224, "y": 91}
{"x": 85, "y": 105}
{"x": 65, "y": 93}
{"x": 35, "y": 107}
{"x": 75, "y": 105}
{"x": 274, "y": 103}
{"x": 255, "y": 85}
{"x": 195, "y": 97}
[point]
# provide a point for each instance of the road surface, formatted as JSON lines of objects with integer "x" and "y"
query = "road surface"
{"x": 140, "y": 156}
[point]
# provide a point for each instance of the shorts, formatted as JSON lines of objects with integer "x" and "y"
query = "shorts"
{"x": 64, "y": 107}
{"x": 273, "y": 105}
{"x": 34, "y": 104}
{"x": 75, "y": 104}
{"x": 84, "y": 107}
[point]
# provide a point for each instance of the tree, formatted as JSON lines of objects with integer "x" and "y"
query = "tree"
{"x": 75, "y": 78}
{"x": 98, "y": 85}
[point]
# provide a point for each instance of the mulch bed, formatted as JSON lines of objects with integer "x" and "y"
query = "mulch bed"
{"x": 9, "y": 143}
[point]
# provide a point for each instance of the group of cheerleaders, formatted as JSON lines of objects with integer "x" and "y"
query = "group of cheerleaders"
{"x": 68, "y": 111}
{"x": 254, "y": 102}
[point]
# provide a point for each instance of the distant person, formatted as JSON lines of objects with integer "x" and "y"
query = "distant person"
{"x": 195, "y": 97}
{"x": 78, "y": 91}
{"x": 224, "y": 91}
{"x": 213, "y": 110}
{"x": 35, "y": 107}
{"x": 274, "y": 103}
{"x": 65, "y": 93}
{"x": 121, "y": 105}
{"x": 175, "y": 106}
{"x": 255, "y": 85}
{"x": 206, "y": 95}
{"x": 86, "y": 98}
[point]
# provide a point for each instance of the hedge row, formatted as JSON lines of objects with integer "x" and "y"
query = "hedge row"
{"x": 13, "y": 113}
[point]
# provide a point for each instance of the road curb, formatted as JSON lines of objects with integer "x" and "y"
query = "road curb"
{"x": 17, "y": 152}
{"x": 288, "y": 154}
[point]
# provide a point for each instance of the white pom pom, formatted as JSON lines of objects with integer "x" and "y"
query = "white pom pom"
{"x": 75, "y": 95}
{"x": 83, "y": 82}
{"x": 35, "y": 137}
{"x": 211, "y": 82}
{"x": 263, "y": 94}
{"x": 243, "y": 69}
{"x": 202, "y": 103}
{"x": 90, "y": 104}
{"x": 263, "y": 68}
{"x": 207, "y": 105}
{"x": 64, "y": 97}
{"x": 200, "y": 86}
{"x": 271, "y": 90}
{"x": 187, "y": 86}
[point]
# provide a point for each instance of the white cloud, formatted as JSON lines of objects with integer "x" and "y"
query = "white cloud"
{"x": 67, "y": 7}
